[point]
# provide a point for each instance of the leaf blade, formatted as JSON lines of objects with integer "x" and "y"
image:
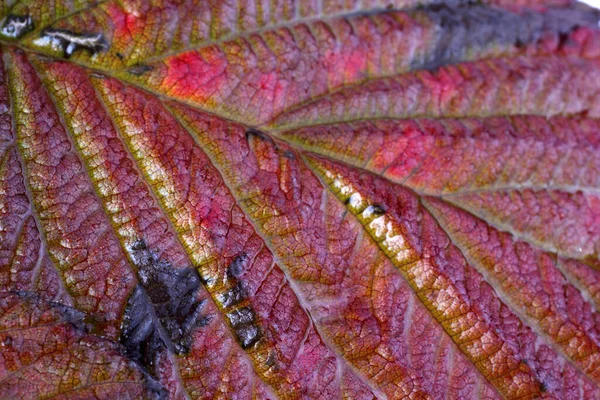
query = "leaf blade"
{"x": 301, "y": 297}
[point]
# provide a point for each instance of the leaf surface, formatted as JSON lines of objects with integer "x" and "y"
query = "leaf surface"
{"x": 299, "y": 199}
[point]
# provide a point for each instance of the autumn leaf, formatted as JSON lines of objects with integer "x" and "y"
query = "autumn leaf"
{"x": 299, "y": 199}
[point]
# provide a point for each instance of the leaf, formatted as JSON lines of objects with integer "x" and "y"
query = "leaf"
{"x": 299, "y": 199}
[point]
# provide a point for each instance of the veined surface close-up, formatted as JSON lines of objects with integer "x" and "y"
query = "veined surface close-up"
{"x": 299, "y": 199}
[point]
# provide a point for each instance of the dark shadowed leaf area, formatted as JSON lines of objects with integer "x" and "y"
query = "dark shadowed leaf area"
{"x": 299, "y": 199}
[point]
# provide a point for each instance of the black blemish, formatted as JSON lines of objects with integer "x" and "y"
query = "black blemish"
{"x": 376, "y": 209}
{"x": 140, "y": 69}
{"x": 82, "y": 323}
{"x": 206, "y": 281}
{"x": 259, "y": 135}
{"x": 154, "y": 388}
{"x": 204, "y": 321}
{"x": 289, "y": 155}
{"x": 139, "y": 245}
{"x": 468, "y": 26}
{"x": 16, "y": 26}
{"x": 243, "y": 322}
{"x": 271, "y": 359}
{"x": 77, "y": 319}
{"x": 137, "y": 332}
{"x": 162, "y": 311}
{"x": 241, "y": 316}
{"x": 233, "y": 296}
{"x": 563, "y": 39}
{"x": 543, "y": 387}
{"x": 243, "y": 319}
{"x": 70, "y": 42}
{"x": 247, "y": 335}
{"x": 7, "y": 342}
{"x": 236, "y": 267}
{"x": 519, "y": 44}
{"x": 119, "y": 56}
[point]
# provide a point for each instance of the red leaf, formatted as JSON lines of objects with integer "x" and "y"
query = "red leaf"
{"x": 299, "y": 199}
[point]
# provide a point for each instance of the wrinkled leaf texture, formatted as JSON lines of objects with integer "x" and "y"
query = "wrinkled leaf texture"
{"x": 314, "y": 199}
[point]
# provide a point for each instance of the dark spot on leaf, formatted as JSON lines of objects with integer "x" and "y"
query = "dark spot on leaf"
{"x": 243, "y": 322}
{"x": 79, "y": 320}
{"x": 69, "y": 42}
{"x": 74, "y": 317}
{"x": 119, "y": 56}
{"x": 7, "y": 341}
{"x": 207, "y": 281}
{"x": 247, "y": 335}
{"x": 16, "y": 26}
{"x": 242, "y": 319}
{"x": 289, "y": 155}
{"x": 271, "y": 359}
{"x": 140, "y": 337}
{"x": 467, "y": 26}
{"x": 259, "y": 135}
{"x": 139, "y": 245}
{"x": 236, "y": 267}
{"x": 543, "y": 387}
{"x": 162, "y": 311}
{"x": 233, "y": 296}
{"x": 519, "y": 44}
{"x": 375, "y": 209}
{"x": 563, "y": 39}
{"x": 154, "y": 388}
{"x": 241, "y": 316}
{"x": 139, "y": 69}
{"x": 204, "y": 321}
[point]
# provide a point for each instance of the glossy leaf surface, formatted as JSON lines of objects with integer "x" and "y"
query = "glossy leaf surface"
{"x": 299, "y": 199}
